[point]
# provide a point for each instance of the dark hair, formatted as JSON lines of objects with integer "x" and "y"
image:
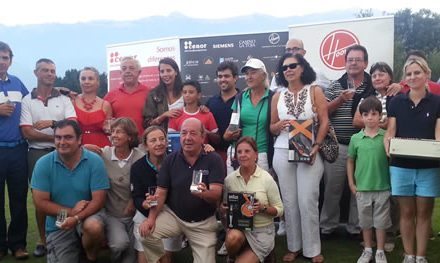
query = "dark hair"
{"x": 382, "y": 67}
{"x": 358, "y": 48}
{"x": 193, "y": 83}
{"x": 44, "y": 60}
{"x": 416, "y": 53}
{"x": 5, "y": 47}
{"x": 250, "y": 141}
{"x": 177, "y": 89}
{"x": 130, "y": 128}
{"x": 308, "y": 75}
{"x": 228, "y": 65}
{"x": 370, "y": 104}
{"x": 150, "y": 130}
{"x": 66, "y": 122}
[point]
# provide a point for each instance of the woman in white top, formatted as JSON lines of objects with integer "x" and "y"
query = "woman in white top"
{"x": 299, "y": 181}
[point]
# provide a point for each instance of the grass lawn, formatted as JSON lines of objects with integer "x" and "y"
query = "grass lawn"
{"x": 338, "y": 250}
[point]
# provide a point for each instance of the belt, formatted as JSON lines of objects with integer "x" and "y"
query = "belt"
{"x": 11, "y": 144}
{"x": 49, "y": 149}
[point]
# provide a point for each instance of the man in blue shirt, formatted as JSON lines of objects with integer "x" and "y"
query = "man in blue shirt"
{"x": 13, "y": 160}
{"x": 70, "y": 180}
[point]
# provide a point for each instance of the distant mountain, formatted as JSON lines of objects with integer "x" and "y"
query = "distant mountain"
{"x": 83, "y": 44}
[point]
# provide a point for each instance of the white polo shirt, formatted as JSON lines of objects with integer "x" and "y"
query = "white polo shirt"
{"x": 33, "y": 109}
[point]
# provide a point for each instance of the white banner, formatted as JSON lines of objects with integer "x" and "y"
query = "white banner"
{"x": 326, "y": 43}
{"x": 147, "y": 52}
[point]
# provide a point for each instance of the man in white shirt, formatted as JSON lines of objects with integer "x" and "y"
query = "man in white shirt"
{"x": 41, "y": 109}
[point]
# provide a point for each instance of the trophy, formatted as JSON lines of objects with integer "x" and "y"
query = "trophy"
{"x": 152, "y": 192}
{"x": 61, "y": 217}
{"x": 196, "y": 180}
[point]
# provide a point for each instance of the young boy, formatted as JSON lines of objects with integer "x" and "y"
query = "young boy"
{"x": 192, "y": 93}
{"x": 369, "y": 179}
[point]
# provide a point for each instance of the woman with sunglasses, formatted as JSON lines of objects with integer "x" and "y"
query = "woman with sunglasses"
{"x": 299, "y": 181}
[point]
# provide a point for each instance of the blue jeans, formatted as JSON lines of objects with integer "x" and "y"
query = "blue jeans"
{"x": 13, "y": 172}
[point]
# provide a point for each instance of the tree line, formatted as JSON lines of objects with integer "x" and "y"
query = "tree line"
{"x": 412, "y": 31}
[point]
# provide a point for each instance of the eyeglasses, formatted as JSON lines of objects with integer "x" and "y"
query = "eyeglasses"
{"x": 291, "y": 66}
{"x": 293, "y": 49}
{"x": 351, "y": 60}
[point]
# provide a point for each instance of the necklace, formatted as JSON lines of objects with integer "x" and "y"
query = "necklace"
{"x": 88, "y": 105}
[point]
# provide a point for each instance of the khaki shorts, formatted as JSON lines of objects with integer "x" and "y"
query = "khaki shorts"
{"x": 374, "y": 209}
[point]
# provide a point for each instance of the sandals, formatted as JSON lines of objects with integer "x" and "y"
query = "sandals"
{"x": 318, "y": 259}
{"x": 291, "y": 256}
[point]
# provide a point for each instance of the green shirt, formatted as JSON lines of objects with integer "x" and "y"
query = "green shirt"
{"x": 254, "y": 120}
{"x": 371, "y": 162}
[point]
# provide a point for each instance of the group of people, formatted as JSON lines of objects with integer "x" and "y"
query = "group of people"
{"x": 101, "y": 173}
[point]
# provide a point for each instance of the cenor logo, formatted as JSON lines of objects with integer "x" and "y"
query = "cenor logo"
{"x": 332, "y": 50}
{"x": 114, "y": 56}
{"x": 274, "y": 38}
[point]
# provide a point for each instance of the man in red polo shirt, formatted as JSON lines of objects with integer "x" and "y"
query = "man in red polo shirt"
{"x": 129, "y": 98}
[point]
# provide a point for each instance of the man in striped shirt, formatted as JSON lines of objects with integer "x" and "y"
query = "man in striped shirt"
{"x": 343, "y": 96}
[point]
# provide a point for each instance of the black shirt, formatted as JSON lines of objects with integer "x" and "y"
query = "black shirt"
{"x": 415, "y": 122}
{"x": 222, "y": 113}
{"x": 176, "y": 175}
{"x": 142, "y": 176}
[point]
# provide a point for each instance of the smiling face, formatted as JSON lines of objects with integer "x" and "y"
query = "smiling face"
{"x": 192, "y": 136}
{"x": 156, "y": 143}
{"x": 246, "y": 155}
{"x": 355, "y": 63}
{"x": 130, "y": 72}
{"x": 292, "y": 75}
{"x": 67, "y": 143}
{"x": 88, "y": 81}
{"x": 380, "y": 79}
{"x": 226, "y": 81}
{"x": 119, "y": 137}
{"x": 415, "y": 77}
{"x": 255, "y": 78}
{"x": 46, "y": 74}
{"x": 167, "y": 74}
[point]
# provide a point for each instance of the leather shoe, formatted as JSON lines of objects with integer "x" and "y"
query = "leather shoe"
{"x": 21, "y": 253}
{"x": 40, "y": 250}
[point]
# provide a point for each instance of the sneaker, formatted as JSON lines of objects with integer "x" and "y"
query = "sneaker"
{"x": 380, "y": 257}
{"x": 222, "y": 251}
{"x": 421, "y": 260}
{"x": 21, "y": 253}
{"x": 366, "y": 257}
{"x": 40, "y": 250}
{"x": 281, "y": 228}
{"x": 409, "y": 259}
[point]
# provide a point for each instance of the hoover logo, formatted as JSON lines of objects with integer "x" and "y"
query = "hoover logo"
{"x": 189, "y": 46}
{"x": 333, "y": 47}
{"x": 274, "y": 38}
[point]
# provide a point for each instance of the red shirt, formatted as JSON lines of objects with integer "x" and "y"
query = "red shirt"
{"x": 206, "y": 118}
{"x": 125, "y": 104}
{"x": 433, "y": 87}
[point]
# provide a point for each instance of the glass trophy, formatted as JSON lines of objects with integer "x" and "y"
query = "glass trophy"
{"x": 61, "y": 217}
{"x": 196, "y": 180}
{"x": 152, "y": 192}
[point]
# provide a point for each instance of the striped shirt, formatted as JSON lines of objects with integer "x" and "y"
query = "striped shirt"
{"x": 342, "y": 118}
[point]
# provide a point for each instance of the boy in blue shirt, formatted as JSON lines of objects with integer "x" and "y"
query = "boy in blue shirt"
{"x": 369, "y": 179}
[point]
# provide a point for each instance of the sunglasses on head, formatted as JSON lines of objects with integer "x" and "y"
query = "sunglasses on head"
{"x": 291, "y": 66}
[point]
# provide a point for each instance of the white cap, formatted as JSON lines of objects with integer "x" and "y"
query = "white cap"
{"x": 255, "y": 64}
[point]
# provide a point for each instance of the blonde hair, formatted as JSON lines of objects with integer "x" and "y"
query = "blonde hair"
{"x": 419, "y": 61}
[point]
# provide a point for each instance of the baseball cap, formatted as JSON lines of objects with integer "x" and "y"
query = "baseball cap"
{"x": 253, "y": 63}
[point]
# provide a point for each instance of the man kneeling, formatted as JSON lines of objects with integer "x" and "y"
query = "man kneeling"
{"x": 70, "y": 182}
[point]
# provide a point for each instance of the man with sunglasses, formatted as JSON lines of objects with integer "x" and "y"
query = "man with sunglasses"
{"x": 343, "y": 101}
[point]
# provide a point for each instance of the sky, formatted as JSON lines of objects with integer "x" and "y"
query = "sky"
{"x": 25, "y": 12}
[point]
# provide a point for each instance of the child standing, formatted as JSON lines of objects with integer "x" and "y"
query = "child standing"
{"x": 369, "y": 179}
